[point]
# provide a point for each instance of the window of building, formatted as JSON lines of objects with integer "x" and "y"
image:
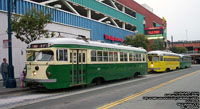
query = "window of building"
{"x": 119, "y": 6}
{"x": 63, "y": 6}
{"x": 107, "y": 2}
{"x": 154, "y": 24}
{"x": 130, "y": 12}
{"x": 39, "y": 1}
{"x": 130, "y": 27}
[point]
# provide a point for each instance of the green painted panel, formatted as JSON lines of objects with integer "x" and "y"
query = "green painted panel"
{"x": 185, "y": 64}
{"x": 94, "y": 5}
{"x": 107, "y": 71}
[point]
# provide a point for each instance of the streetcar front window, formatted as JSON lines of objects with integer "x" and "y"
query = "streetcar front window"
{"x": 41, "y": 56}
{"x": 153, "y": 58}
{"x": 150, "y": 58}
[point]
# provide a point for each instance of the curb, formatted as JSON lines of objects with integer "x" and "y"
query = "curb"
{"x": 15, "y": 91}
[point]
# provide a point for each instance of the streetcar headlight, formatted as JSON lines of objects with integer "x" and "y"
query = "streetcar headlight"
{"x": 152, "y": 65}
{"x": 34, "y": 73}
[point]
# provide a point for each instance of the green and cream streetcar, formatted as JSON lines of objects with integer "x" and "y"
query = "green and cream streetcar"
{"x": 185, "y": 61}
{"x": 66, "y": 62}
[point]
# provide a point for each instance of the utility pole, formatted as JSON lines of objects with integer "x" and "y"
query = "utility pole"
{"x": 186, "y": 31}
{"x": 11, "y": 82}
{"x": 172, "y": 41}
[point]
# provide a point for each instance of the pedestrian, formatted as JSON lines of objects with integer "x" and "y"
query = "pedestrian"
{"x": 4, "y": 71}
{"x": 22, "y": 77}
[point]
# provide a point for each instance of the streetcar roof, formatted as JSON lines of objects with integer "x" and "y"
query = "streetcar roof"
{"x": 73, "y": 41}
{"x": 162, "y": 53}
{"x": 183, "y": 55}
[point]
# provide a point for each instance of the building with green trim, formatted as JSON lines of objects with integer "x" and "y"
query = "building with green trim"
{"x": 108, "y": 21}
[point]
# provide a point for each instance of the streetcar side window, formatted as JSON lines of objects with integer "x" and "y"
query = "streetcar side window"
{"x": 93, "y": 56}
{"x": 99, "y": 56}
{"x": 81, "y": 57}
{"x": 161, "y": 58}
{"x": 62, "y": 55}
{"x": 130, "y": 57}
{"x": 125, "y": 57}
{"x": 111, "y": 55}
{"x": 171, "y": 59}
{"x": 144, "y": 57}
{"x": 105, "y": 56}
{"x": 115, "y": 56}
{"x": 137, "y": 57}
{"x": 134, "y": 57}
{"x": 121, "y": 56}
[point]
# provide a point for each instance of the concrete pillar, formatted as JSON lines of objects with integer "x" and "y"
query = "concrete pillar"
{"x": 89, "y": 13}
{"x": 123, "y": 25}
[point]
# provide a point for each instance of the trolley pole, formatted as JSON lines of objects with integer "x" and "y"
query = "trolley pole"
{"x": 11, "y": 82}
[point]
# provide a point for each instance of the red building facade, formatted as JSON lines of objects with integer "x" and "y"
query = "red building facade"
{"x": 193, "y": 49}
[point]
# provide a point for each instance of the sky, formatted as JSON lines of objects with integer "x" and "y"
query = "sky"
{"x": 183, "y": 17}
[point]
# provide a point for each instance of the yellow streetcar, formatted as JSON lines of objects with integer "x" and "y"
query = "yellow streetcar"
{"x": 161, "y": 61}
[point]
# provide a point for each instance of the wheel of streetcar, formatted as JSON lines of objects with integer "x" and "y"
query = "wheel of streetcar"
{"x": 98, "y": 81}
{"x": 136, "y": 74}
{"x": 167, "y": 70}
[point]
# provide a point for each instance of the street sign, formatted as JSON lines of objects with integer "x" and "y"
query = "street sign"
{"x": 5, "y": 43}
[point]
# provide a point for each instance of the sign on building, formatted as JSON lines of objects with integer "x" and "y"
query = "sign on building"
{"x": 154, "y": 32}
{"x": 5, "y": 43}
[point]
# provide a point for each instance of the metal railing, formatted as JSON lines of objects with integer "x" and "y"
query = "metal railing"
{"x": 192, "y": 52}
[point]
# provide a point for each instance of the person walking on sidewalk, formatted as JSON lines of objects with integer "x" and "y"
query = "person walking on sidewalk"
{"x": 21, "y": 78}
{"x": 4, "y": 71}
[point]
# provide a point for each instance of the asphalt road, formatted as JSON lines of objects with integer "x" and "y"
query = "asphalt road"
{"x": 122, "y": 94}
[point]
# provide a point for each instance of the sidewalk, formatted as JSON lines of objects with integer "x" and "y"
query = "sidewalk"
{"x": 11, "y": 90}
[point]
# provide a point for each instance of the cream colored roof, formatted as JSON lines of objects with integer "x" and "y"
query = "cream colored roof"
{"x": 73, "y": 41}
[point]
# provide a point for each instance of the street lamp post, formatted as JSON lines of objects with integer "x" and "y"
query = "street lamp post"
{"x": 172, "y": 41}
{"x": 11, "y": 82}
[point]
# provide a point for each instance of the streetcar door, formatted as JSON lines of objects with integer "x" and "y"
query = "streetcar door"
{"x": 78, "y": 65}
